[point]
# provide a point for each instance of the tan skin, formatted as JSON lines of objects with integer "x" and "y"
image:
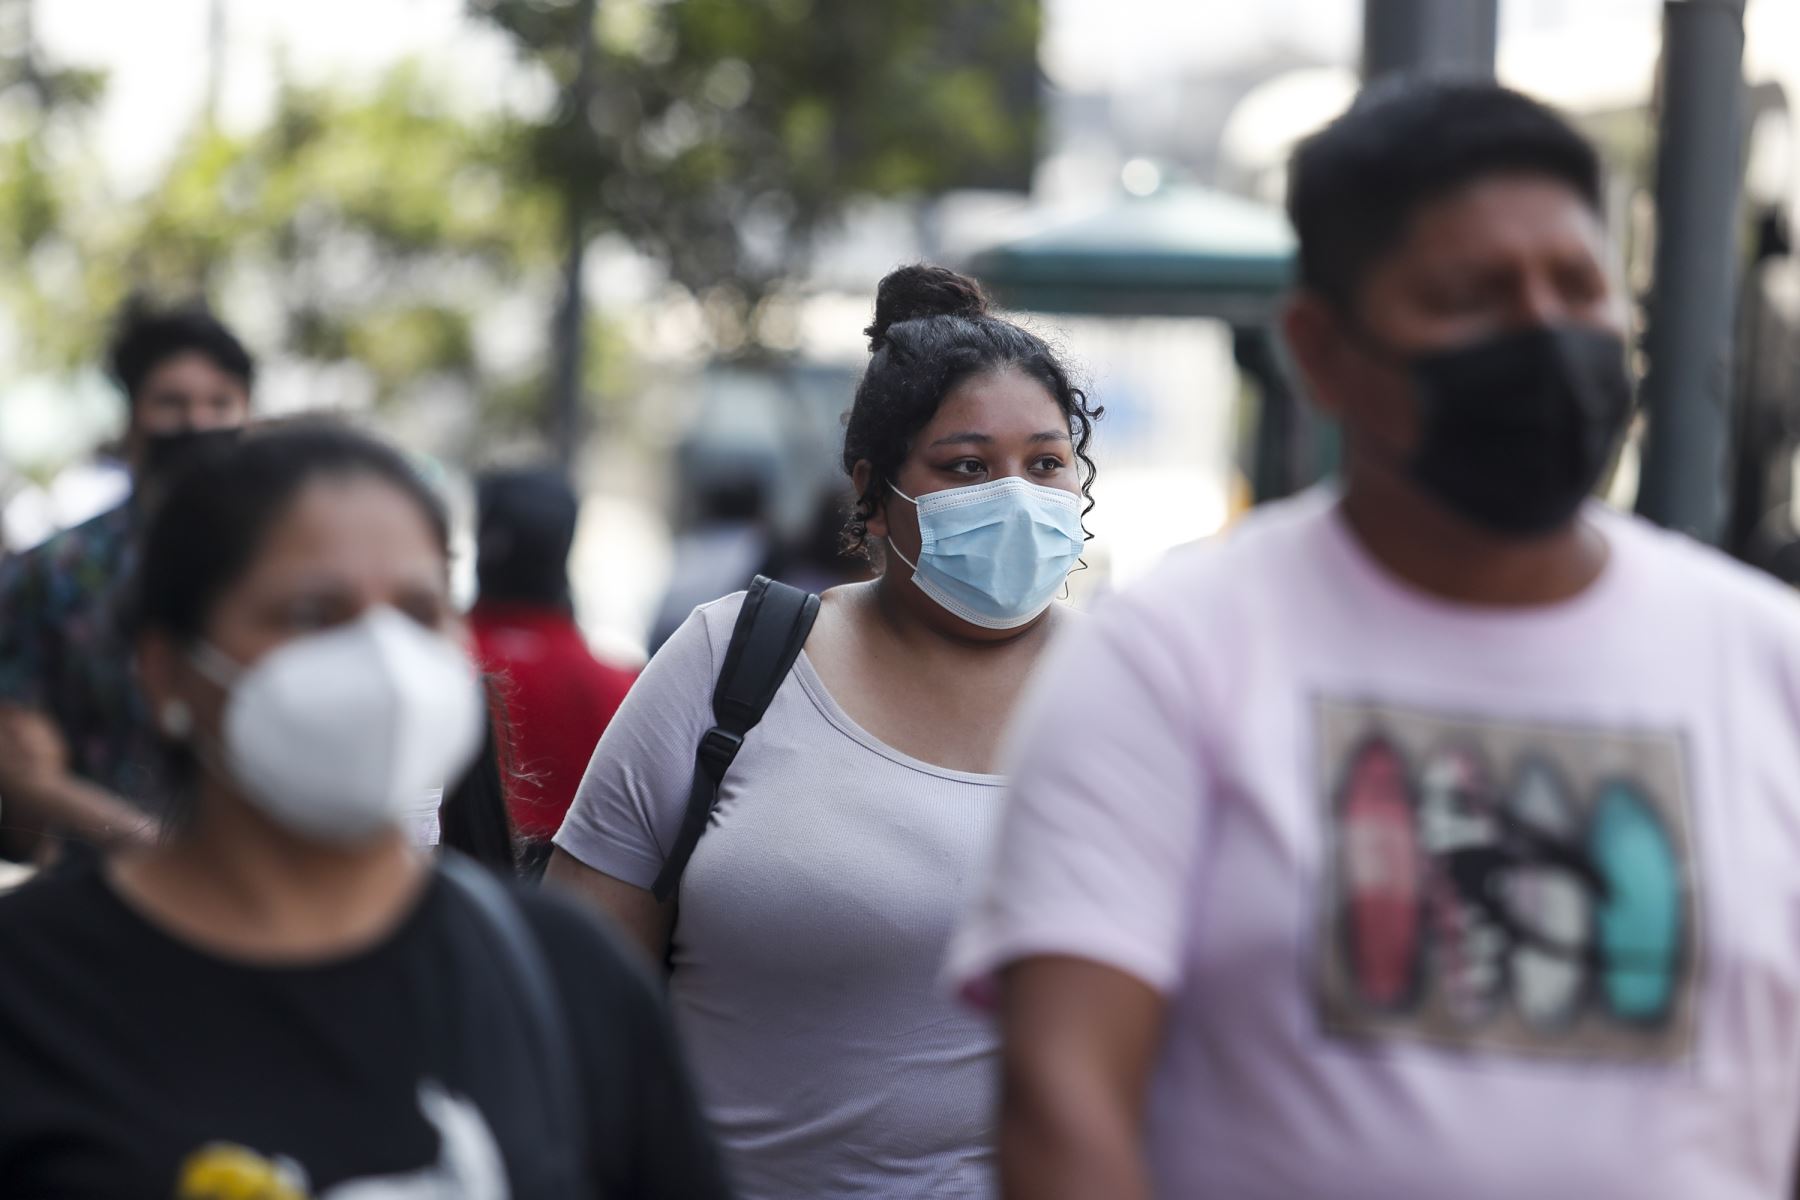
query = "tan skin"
{"x": 1501, "y": 253}
{"x": 1504, "y": 253}
{"x": 186, "y": 391}
{"x": 232, "y": 882}
{"x": 919, "y": 679}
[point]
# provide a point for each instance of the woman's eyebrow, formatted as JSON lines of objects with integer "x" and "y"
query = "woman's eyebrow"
{"x": 983, "y": 439}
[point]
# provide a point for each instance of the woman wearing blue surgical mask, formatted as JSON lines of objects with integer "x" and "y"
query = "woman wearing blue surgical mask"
{"x": 284, "y": 997}
{"x": 805, "y": 938}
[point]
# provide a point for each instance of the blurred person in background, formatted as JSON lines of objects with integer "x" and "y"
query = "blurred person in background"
{"x": 283, "y": 998}
{"x": 817, "y": 560}
{"x": 76, "y": 748}
{"x": 1432, "y": 834}
{"x": 558, "y": 697}
{"x": 729, "y": 544}
{"x": 805, "y": 940}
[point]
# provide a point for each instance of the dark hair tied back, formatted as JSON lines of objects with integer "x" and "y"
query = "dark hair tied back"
{"x": 933, "y": 330}
{"x": 917, "y": 292}
{"x": 213, "y": 521}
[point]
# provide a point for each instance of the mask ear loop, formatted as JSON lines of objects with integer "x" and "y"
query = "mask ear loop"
{"x": 890, "y": 541}
{"x": 215, "y": 666}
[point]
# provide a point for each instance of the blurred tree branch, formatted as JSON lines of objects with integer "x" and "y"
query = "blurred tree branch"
{"x": 723, "y": 137}
{"x": 373, "y": 228}
{"x": 376, "y": 225}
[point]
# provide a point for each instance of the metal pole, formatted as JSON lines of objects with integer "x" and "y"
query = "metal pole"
{"x": 564, "y": 417}
{"x": 1456, "y": 35}
{"x": 1698, "y": 176}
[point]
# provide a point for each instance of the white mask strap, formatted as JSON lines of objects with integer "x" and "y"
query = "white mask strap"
{"x": 900, "y": 556}
{"x": 215, "y": 664}
{"x": 890, "y": 541}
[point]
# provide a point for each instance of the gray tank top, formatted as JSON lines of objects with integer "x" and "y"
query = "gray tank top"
{"x": 813, "y": 922}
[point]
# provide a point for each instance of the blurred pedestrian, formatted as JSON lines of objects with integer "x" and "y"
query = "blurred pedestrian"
{"x": 76, "y": 748}
{"x": 558, "y": 697}
{"x": 805, "y": 939}
{"x": 1432, "y": 834}
{"x": 730, "y": 542}
{"x": 283, "y": 998}
{"x": 817, "y": 560}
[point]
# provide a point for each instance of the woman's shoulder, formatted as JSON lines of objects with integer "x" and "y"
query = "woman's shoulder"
{"x": 48, "y": 903}
{"x": 712, "y": 624}
{"x": 65, "y": 923}
{"x": 707, "y": 630}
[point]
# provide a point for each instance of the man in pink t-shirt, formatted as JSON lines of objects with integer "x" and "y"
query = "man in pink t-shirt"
{"x": 1433, "y": 836}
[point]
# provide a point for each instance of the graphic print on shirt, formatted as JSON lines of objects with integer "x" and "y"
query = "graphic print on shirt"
{"x": 1503, "y": 887}
{"x": 468, "y": 1166}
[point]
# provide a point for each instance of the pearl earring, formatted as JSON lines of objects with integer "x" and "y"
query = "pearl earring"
{"x": 177, "y": 719}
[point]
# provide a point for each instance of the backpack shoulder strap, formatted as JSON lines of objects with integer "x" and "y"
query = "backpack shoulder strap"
{"x": 771, "y": 629}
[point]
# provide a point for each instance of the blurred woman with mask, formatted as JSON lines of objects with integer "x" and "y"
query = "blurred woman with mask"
{"x": 814, "y": 912}
{"x": 283, "y": 998}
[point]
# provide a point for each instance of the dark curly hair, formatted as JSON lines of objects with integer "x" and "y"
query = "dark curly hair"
{"x": 932, "y": 330}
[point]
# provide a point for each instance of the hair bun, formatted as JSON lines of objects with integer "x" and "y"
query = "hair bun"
{"x": 911, "y": 293}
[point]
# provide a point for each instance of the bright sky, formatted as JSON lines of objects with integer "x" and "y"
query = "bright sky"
{"x": 155, "y": 53}
{"x": 156, "y": 50}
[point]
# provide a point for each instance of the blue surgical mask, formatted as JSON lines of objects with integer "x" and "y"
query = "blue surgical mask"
{"x": 995, "y": 553}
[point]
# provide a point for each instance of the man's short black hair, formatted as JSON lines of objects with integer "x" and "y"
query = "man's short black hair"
{"x": 148, "y": 337}
{"x": 524, "y": 528}
{"x": 1354, "y": 185}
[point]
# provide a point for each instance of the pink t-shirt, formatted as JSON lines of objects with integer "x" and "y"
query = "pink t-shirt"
{"x": 1445, "y": 901}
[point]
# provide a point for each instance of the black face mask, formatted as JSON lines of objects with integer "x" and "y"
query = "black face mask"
{"x": 1516, "y": 429}
{"x": 167, "y": 454}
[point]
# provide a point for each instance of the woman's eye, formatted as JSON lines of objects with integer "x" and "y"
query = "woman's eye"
{"x": 967, "y": 466}
{"x": 306, "y": 616}
{"x": 425, "y": 612}
{"x": 1050, "y": 463}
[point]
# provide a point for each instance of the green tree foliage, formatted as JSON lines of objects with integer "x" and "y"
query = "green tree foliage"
{"x": 377, "y": 224}
{"x": 42, "y": 173}
{"x": 383, "y": 223}
{"x": 724, "y": 136}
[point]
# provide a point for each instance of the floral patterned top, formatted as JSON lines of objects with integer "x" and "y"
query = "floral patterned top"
{"x": 62, "y": 652}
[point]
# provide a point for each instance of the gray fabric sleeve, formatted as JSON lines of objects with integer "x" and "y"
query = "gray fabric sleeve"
{"x": 629, "y": 806}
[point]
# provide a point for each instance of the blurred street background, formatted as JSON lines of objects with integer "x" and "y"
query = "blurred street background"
{"x": 649, "y": 254}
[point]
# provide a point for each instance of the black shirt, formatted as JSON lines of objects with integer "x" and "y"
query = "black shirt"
{"x": 133, "y": 1064}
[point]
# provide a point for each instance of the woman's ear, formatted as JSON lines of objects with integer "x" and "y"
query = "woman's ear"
{"x": 1310, "y": 328}
{"x": 876, "y": 524}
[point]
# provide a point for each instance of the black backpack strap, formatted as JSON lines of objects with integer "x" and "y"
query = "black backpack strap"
{"x": 514, "y": 945}
{"x": 770, "y": 633}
